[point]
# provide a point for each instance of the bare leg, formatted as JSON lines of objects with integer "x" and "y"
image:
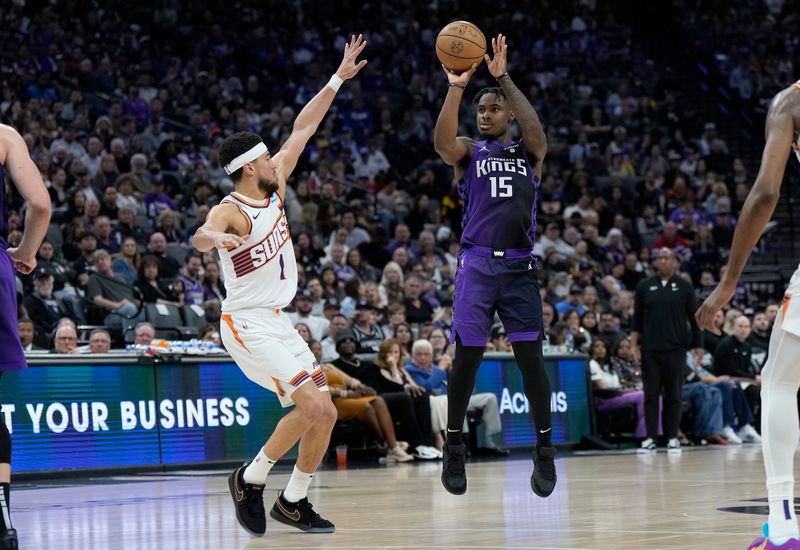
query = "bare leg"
{"x": 314, "y": 442}
{"x": 312, "y": 407}
{"x": 5, "y": 473}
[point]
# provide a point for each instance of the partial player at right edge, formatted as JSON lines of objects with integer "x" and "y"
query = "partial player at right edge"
{"x": 780, "y": 378}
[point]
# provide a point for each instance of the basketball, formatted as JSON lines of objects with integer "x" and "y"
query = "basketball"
{"x": 459, "y": 45}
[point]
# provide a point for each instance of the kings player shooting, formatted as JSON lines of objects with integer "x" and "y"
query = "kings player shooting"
{"x": 497, "y": 180}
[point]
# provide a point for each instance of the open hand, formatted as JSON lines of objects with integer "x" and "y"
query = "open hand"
{"x": 499, "y": 65}
{"x": 349, "y": 68}
{"x": 706, "y": 312}
{"x": 229, "y": 240}
{"x": 460, "y": 79}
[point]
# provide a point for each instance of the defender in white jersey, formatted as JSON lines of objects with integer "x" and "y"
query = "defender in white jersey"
{"x": 780, "y": 378}
{"x": 250, "y": 230}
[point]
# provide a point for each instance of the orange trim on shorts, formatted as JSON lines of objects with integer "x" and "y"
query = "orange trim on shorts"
{"x": 786, "y": 299}
{"x": 278, "y": 387}
{"x": 319, "y": 378}
{"x": 229, "y": 321}
{"x": 301, "y": 377}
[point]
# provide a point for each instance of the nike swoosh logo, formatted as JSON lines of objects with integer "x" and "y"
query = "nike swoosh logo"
{"x": 294, "y": 516}
{"x": 545, "y": 431}
{"x": 256, "y": 215}
{"x": 239, "y": 492}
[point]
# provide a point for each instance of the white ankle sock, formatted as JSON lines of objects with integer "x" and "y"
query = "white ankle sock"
{"x": 256, "y": 472}
{"x": 297, "y": 489}
{"x": 779, "y": 429}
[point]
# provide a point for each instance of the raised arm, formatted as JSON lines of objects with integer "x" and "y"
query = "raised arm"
{"x": 533, "y": 134}
{"x": 15, "y": 158}
{"x": 451, "y": 148}
{"x": 759, "y": 206}
{"x": 216, "y": 232}
{"x": 309, "y": 119}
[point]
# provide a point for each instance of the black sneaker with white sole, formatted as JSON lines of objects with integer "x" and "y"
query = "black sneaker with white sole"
{"x": 300, "y": 515}
{"x": 249, "y": 501}
{"x": 454, "y": 473}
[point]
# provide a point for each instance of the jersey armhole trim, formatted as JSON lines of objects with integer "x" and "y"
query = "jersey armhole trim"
{"x": 244, "y": 215}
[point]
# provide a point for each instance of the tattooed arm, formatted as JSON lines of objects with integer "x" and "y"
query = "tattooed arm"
{"x": 532, "y": 132}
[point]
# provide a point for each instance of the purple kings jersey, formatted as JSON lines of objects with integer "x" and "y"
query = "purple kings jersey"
{"x": 498, "y": 193}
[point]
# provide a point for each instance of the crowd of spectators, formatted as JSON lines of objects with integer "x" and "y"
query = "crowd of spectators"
{"x": 754, "y": 45}
{"x": 123, "y": 108}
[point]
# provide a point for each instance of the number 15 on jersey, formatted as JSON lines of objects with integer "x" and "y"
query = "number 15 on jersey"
{"x": 500, "y": 187}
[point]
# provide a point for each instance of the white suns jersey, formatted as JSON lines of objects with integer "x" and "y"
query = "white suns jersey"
{"x": 261, "y": 273}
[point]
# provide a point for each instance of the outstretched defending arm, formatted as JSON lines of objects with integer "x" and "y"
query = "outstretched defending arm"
{"x": 17, "y": 161}
{"x": 307, "y": 122}
{"x": 215, "y": 232}
{"x": 759, "y": 206}
{"x": 532, "y": 132}
{"x": 451, "y": 148}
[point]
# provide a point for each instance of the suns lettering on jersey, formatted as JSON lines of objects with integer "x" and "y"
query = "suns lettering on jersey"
{"x": 261, "y": 253}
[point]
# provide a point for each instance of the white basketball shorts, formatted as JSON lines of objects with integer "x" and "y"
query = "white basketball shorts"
{"x": 270, "y": 351}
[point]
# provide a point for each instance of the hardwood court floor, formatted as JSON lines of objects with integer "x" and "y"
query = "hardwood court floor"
{"x": 602, "y": 502}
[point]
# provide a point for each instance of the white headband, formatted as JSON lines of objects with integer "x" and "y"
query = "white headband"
{"x": 248, "y": 156}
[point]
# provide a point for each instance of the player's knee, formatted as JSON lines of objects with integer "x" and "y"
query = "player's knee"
{"x": 329, "y": 413}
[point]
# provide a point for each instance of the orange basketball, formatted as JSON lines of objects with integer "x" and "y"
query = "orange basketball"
{"x": 459, "y": 45}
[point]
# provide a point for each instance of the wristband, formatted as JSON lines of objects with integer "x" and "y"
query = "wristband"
{"x": 335, "y": 82}
{"x": 454, "y": 85}
{"x": 501, "y": 76}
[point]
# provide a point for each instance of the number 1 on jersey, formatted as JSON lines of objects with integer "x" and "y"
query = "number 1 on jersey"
{"x": 500, "y": 187}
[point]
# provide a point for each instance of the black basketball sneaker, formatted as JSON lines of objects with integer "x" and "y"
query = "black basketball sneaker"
{"x": 249, "y": 501}
{"x": 8, "y": 540}
{"x": 454, "y": 473}
{"x": 300, "y": 515}
{"x": 543, "y": 479}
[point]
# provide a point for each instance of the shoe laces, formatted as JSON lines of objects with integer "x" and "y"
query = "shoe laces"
{"x": 254, "y": 500}
{"x": 306, "y": 510}
{"x": 455, "y": 464}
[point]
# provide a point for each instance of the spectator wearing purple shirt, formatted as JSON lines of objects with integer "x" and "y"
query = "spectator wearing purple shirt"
{"x": 156, "y": 200}
{"x": 137, "y": 107}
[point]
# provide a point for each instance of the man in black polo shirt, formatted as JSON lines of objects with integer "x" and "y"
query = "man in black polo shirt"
{"x": 734, "y": 357}
{"x": 664, "y": 327}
